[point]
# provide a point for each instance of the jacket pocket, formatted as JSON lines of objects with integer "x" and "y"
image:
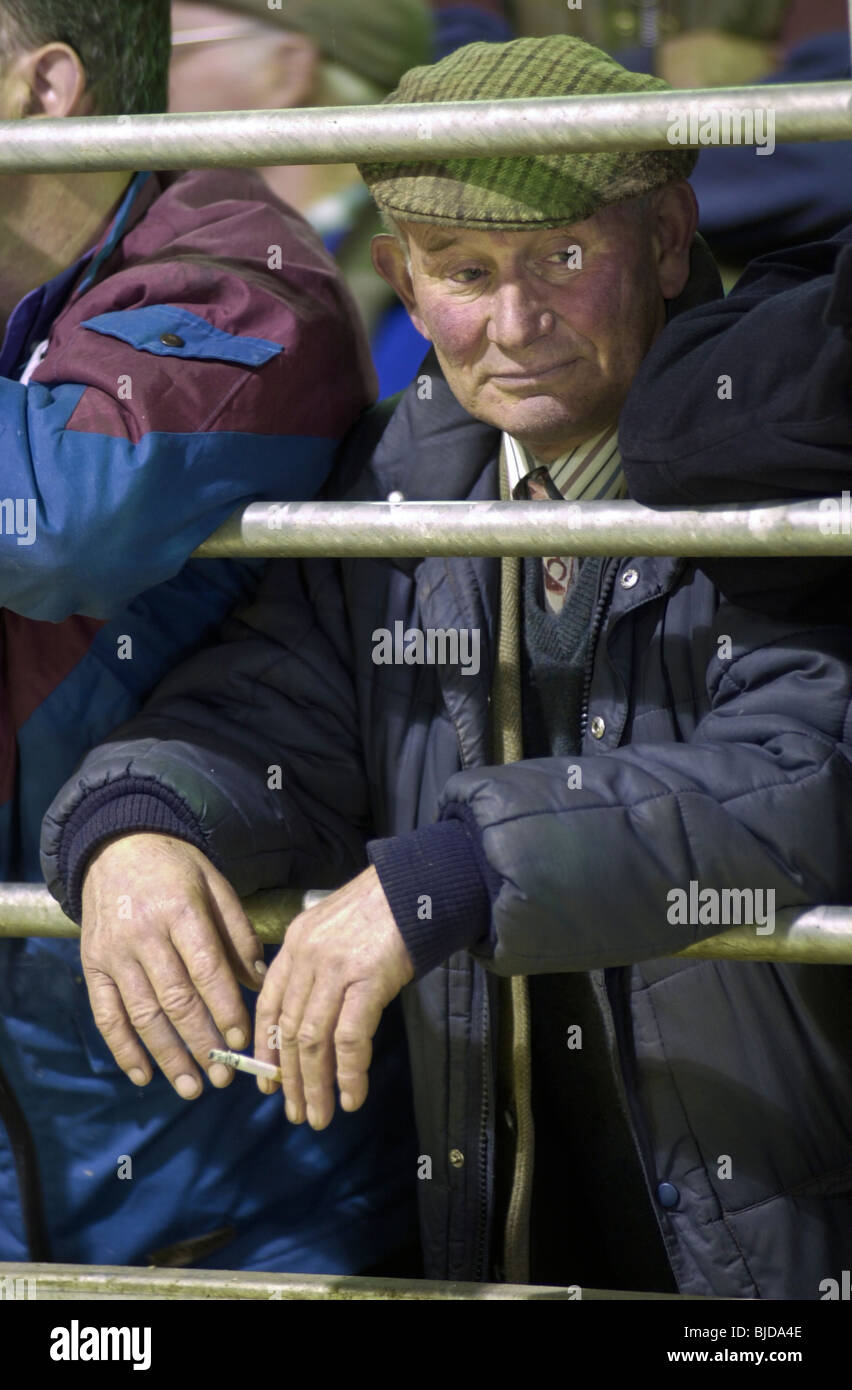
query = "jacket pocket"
{"x": 166, "y": 331}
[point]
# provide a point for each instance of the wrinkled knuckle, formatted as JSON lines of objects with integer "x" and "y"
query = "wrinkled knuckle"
{"x": 205, "y": 968}
{"x": 310, "y": 1037}
{"x": 348, "y": 1039}
{"x": 109, "y": 1020}
{"x": 143, "y": 1016}
{"x": 179, "y": 1002}
{"x": 288, "y": 1031}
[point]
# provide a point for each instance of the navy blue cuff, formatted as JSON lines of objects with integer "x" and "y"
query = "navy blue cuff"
{"x": 131, "y": 804}
{"x": 437, "y": 893}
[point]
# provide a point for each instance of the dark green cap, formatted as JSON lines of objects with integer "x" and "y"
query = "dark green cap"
{"x": 515, "y": 193}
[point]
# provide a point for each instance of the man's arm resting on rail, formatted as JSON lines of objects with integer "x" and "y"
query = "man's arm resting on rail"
{"x": 577, "y": 873}
{"x": 243, "y": 772}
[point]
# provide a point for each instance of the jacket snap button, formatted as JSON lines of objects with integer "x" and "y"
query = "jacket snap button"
{"x": 597, "y": 728}
{"x": 457, "y": 1158}
{"x": 171, "y": 340}
{"x": 667, "y": 1194}
{"x": 629, "y": 579}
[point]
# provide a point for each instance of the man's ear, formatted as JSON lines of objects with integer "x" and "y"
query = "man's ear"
{"x": 674, "y": 221}
{"x": 389, "y": 261}
{"x": 51, "y": 81}
{"x": 290, "y": 72}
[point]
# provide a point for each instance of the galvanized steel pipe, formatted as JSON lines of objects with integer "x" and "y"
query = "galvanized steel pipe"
{"x": 345, "y": 134}
{"x": 90, "y": 1283}
{"x": 397, "y": 529}
{"x": 816, "y": 935}
{"x": 27, "y": 909}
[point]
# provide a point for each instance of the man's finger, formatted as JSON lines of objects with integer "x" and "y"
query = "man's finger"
{"x": 111, "y": 1019}
{"x": 267, "y": 1014}
{"x": 316, "y": 1048}
{"x": 242, "y": 947}
{"x": 353, "y": 1043}
{"x": 150, "y": 1020}
{"x": 271, "y": 994}
{"x": 204, "y": 956}
{"x": 295, "y": 988}
{"x": 181, "y": 1016}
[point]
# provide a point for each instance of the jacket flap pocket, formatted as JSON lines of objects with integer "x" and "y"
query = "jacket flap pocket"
{"x": 170, "y": 332}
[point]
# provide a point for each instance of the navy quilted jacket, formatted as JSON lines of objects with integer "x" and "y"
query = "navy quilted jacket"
{"x": 724, "y": 761}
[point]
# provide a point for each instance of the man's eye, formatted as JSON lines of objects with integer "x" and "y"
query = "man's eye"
{"x": 570, "y": 256}
{"x": 472, "y": 271}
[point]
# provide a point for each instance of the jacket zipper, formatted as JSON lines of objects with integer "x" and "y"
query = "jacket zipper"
{"x": 484, "y": 1109}
{"x": 594, "y": 633}
{"x": 605, "y": 1001}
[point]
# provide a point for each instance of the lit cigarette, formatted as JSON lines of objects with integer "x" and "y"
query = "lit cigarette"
{"x": 241, "y": 1063}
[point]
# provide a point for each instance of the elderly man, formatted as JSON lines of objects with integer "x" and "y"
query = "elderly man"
{"x": 166, "y": 343}
{"x": 626, "y": 757}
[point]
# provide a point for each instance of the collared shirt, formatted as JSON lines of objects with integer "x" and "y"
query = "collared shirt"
{"x": 591, "y": 471}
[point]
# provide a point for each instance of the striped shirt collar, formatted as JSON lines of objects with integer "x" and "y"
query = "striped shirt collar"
{"x": 591, "y": 470}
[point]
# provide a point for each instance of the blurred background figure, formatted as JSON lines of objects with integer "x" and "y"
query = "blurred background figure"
{"x": 247, "y": 55}
{"x": 748, "y": 205}
{"x": 471, "y": 21}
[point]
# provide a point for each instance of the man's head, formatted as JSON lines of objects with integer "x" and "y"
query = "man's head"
{"x": 83, "y": 57}
{"x": 541, "y": 281}
{"x": 250, "y": 54}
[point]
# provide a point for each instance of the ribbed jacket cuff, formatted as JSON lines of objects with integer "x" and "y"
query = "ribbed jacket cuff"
{"x": 132, "y": 804}
{"x": 435, "y": 890}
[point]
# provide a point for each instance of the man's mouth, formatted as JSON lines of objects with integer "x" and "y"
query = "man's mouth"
{"x": 530, "y": 377}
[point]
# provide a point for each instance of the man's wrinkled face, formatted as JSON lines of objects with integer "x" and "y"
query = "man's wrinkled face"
{"x": 540, "y": 332}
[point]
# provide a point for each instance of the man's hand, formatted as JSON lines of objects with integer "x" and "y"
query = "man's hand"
{"x": 341, "y": 964}
{"x": 164, "y": 941}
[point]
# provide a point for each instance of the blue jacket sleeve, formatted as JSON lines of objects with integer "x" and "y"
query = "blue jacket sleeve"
{"x": 251, "y": 750}
{"x": 90, "y": 520}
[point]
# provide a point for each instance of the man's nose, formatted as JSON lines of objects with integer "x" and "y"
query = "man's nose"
{"x": 519, "y": 315}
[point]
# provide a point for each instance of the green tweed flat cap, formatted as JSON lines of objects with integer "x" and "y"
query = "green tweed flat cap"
{"x": 515, "y": 193}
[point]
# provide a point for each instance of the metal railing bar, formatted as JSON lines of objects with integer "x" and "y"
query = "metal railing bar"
{"x": 815, "y": 935}
{"x": 345, "y": 134}
{"x": 89, "y": 1282}
{"x": 398, "y": 529}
